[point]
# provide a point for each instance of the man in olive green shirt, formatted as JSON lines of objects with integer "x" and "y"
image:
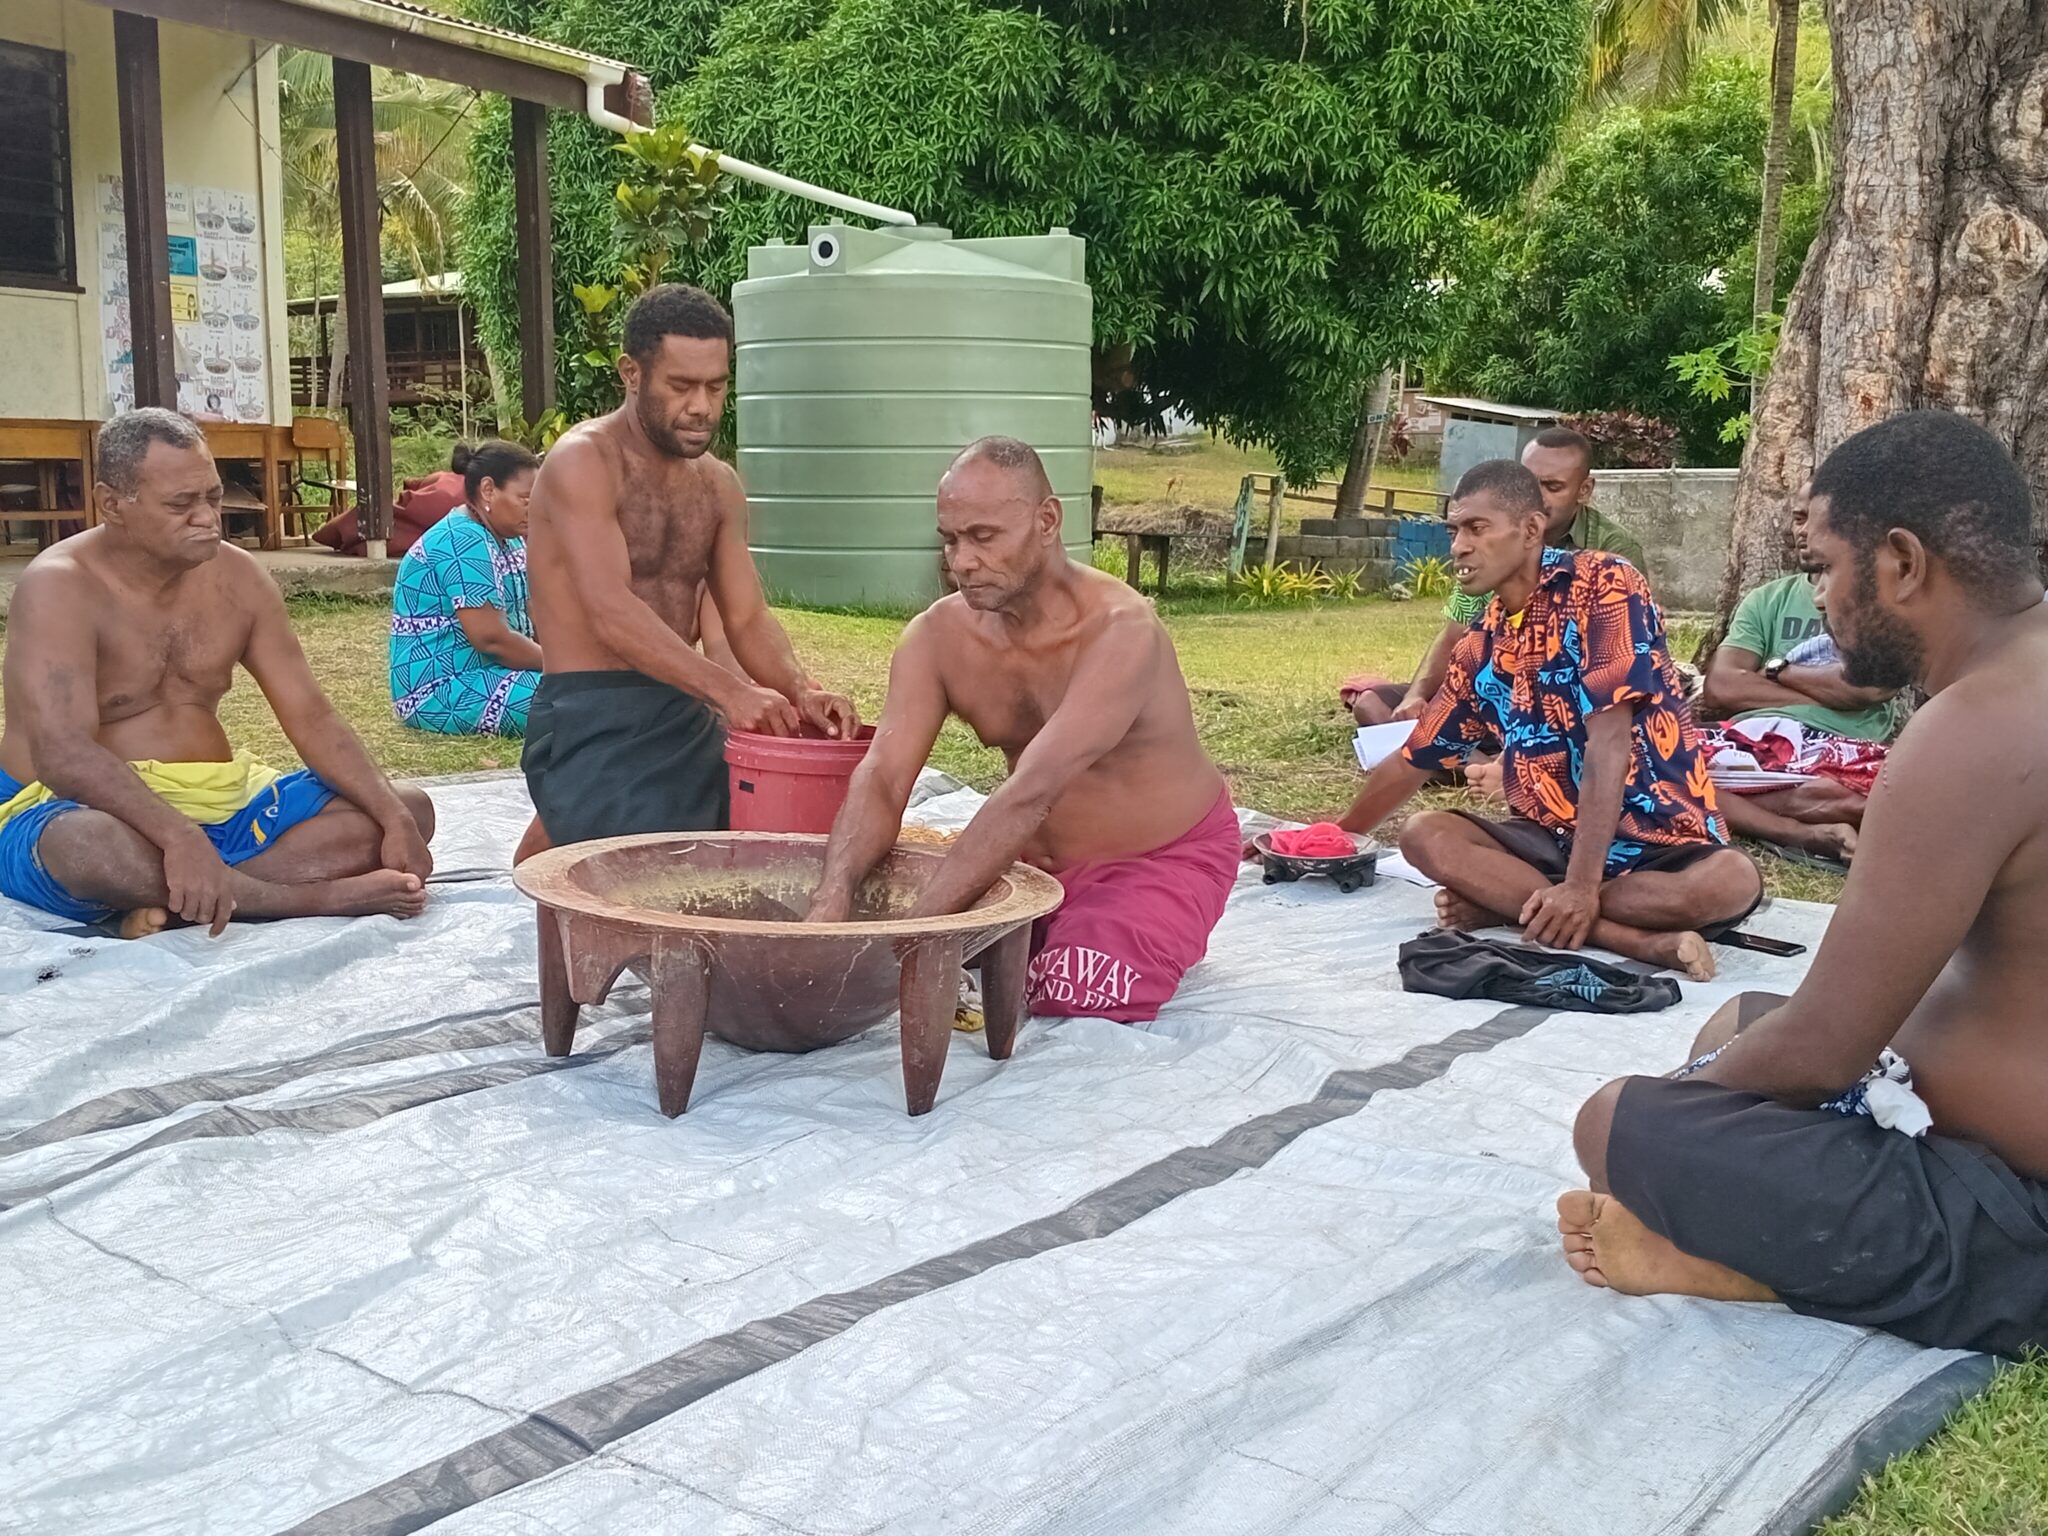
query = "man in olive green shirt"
{"x": 1774, "y": 662}
{"x": 1562, "y": 462}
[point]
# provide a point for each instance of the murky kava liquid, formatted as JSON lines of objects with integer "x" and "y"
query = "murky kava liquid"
{"x": 738, "y": 898}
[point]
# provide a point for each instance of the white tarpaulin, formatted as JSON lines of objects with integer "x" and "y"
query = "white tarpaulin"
{"x": 300, "y": 1230}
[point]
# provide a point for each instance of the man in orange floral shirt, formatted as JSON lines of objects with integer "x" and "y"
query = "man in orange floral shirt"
{"x": 1614, "y": 838}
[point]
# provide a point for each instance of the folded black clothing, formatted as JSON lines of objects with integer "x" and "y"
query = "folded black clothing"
{"x": 1451, "y": 964}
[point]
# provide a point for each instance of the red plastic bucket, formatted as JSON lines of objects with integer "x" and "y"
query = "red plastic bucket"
{"x": 790, "y": 783}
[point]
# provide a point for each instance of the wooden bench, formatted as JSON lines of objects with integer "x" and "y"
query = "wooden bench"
{"x": 290, "y": 462}
{"x": 253, "y": 443}
{"x": 1135, "y": 545}
{"x": 1136, "y": 542}
{"x": 48, "y": 446}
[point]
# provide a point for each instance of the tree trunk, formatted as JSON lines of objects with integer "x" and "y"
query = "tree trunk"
{"x": 1925, "y": 287}
{"x": 1784, "y": 76}
{"x": 337, "y": 360}
{"x": 1365, "y": 446}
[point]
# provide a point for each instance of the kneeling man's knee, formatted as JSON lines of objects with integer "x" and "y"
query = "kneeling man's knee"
{"x": 1591, "y": 1130}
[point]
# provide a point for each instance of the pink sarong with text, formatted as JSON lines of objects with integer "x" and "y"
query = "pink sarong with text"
{"x": 1130, "y": 929}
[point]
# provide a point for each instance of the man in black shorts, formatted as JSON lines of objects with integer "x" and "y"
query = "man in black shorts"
{"x": 634, "y": 519}
{"x": 1874, "y": 1149}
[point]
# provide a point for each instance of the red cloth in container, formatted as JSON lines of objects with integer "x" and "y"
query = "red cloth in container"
{"x": 1324, "y": 840}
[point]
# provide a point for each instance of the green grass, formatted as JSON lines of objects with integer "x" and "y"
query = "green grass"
{"x": 1206, "y": 471}
{"x": 1264, "y": 688}
{"x": 1986, "y": 1475}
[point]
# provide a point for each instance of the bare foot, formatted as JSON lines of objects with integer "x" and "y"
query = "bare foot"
{"x": 386, "y": 892}
{"x": 1686, "y": 952}
{"x": 1835, "y": 840}
{"x": 143, "y": 921}
{"x": 1608, "y": 1247}
{"x": 1455, "y": 912}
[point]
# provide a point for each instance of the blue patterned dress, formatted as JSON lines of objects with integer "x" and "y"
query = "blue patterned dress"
{"x": 439, "y": 681}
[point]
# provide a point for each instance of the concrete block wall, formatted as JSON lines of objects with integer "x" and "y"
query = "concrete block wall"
{"x": 1365, "y": 545}
{"x": 1684, "y": 518}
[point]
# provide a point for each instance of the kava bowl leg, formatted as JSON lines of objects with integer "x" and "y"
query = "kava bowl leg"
{"x": 558, "y": 1010}
{"x": 1004, "y": 967}
{"x": 680, "y": 982}
{"x": 930, "y": 996}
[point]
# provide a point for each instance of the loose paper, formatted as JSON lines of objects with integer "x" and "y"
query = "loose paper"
{"x": 1376, "y": 743}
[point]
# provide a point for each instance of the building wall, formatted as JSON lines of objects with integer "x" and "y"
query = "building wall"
{"x": 1467, "y": 442}
{"x": 217, "y": 90}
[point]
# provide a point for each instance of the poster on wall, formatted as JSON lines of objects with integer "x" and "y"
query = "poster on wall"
{"x": 217, "y": 317}
{"x": 117, "y": 341}
{"x": 181, "y": 224}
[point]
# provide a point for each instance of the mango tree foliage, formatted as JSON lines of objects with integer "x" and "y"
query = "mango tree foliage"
{"x": 1267, "y": 193}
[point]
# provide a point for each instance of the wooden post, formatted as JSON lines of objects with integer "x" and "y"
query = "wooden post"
{"x": 273, "y": 493}
{"x": 369, "y": 395}
{"x": 138, "y": 86}
{"x": 1274, "y": 497}
{"x": 534, "y": 224}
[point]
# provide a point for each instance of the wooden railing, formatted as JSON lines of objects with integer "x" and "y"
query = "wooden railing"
{"x": 1380, "y": 500}
{"x": 414, "y": 380}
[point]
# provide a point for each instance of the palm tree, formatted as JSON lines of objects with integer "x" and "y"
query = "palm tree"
{"x": 1784, "y": 73}
{"x": 1647, "y": 47}
{"x": 421, "y": 146}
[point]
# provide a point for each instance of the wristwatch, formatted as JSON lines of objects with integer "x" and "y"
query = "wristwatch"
{"x": 1773, "y": 667}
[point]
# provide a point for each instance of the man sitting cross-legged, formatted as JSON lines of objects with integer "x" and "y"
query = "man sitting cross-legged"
{"x": 119, "y": 792}
{"x": 1756, "y": 1171}
{"x": 1072, "y": 675}
{"x": 1562, "y": 462}
{"x": 1613, "y": 837}
{"x": 1777, "y": 663}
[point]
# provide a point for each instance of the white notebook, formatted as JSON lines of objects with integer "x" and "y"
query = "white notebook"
{"x": 1375, "y": 743}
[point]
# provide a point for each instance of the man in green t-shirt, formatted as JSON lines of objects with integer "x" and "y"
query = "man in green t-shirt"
{"x": 1562, "y": 462}
{"x": 1773, "y": 663}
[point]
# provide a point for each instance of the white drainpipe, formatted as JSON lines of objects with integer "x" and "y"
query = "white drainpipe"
{"x": 594, "y": 108}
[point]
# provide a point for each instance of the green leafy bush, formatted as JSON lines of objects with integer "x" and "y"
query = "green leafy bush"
{"x": 1266, "y": 196}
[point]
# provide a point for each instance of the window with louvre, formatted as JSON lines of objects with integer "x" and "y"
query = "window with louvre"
{"x": 36, "y": 246}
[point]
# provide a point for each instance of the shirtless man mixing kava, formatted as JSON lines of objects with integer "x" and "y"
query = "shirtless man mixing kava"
{"x": 631, "y": 518}
{"x": 1791, "y": 1160}
{"x": 1071, "y": 674}
{"x": 119, "y": 793}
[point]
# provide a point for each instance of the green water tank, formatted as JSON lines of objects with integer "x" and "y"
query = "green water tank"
{"x": 868, "y": 358}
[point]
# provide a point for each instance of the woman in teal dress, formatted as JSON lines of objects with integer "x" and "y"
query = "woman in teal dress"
{"x": 463, "y": 657}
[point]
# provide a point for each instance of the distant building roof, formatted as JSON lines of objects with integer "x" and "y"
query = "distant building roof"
{"x": 1488, "y": 410}
{"x": 422, "y": 40}
{"x": 431, "y": 22}
{"x": 446, "y": 286}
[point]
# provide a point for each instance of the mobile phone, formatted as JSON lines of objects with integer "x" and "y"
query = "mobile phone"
{"x": 1784, "y": 948}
